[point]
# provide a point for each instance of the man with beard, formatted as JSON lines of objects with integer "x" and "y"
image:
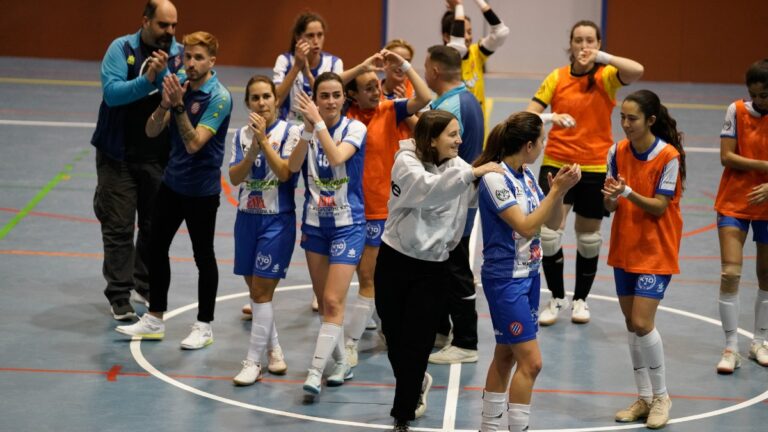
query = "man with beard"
{"x": 129, "y": 164}
{"x": 196, "y": 109}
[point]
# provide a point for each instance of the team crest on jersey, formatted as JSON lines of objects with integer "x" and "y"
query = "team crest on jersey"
{"x": 263, "y": 261}
{"x": 646, "y": 282}
{"x": 352, "y": 253}
{"x": 338, "y": 247}
{"x": 195, "y": 108}
{"x": 276, "y": 268}
{"x": 502, "y": 194}
{"x": 727, "y": 125}
{"x": 516, "y": 328}
{"x": 131, "y": 60}
{"x": 373, "y": 230}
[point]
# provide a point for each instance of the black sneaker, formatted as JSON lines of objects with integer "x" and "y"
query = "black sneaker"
{"x": 401, "y": 426}
{"x": 122, "y": 310}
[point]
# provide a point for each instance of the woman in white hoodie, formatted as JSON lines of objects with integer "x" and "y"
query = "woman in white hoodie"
{"x": 430, "y": 192}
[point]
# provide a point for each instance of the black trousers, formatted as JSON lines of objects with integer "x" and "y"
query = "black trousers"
{"x": 123, "y": 190}
{"x": 461, "y": 302}
{"x": 200, "y": 215}
{"x": 409, "y": 297}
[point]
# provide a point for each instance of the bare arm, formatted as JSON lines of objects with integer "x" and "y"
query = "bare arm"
{"x": 614, "y": 188}
{"x": 422, "y": 95}
{"x": 336, "y": 154}
{"x": 299, "y": 63}
{"x": 729, "y": 158}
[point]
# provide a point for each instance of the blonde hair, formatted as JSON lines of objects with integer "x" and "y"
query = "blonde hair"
{"x": 400, "y": 43}
{"x": 204, "y": 39}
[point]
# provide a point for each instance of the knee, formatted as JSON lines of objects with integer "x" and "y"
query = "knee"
{"x": 588, "y": 243}
{"x": 551, "y": 240}
{"x": 332, "y": 306}
{"x": 641, "y": 326}
{"x": 729, "y": 278}
{"x": 530, "y": 367}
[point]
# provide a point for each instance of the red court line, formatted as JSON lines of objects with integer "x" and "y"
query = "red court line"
{"x": 700, "y": 230}
{"x": 115, "y": 371}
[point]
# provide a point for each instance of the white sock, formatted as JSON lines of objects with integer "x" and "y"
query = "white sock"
{"x": 519, "y": 416}
{"x": 652, "y": 351}
{"x": 761, "y": 316}
{"x": 339, "y": 352}
{"x": 273, "y": 341}
{"x": 729, "y": 315}
{"x": 261, "y": 324}
{"x": 642, "y": 379}
{"x": 326, "y": 341}
{"x": 358, "y": 318}
{"x": 494, "y": 405}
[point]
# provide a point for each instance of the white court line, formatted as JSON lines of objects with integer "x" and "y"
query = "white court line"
{"x": 452, "y": 398}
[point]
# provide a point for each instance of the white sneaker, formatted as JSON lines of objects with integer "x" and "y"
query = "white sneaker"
{"x": 200, "y": 337}
{"x": 136, "y": 297}
{"x": 351, "y": 349}
{"x": 580, "y": 312}
{"x": 759, "y": 353}
{"x": 313, "y": 382}
{"x": 442, "y": 341}
{"x": 341, "y": 372}
{"x": 453, "y": 354}
{"x": 372, "y": 324}
{"x": 277, "y": 364}
{"x": 729, "y": 362}
{"x": 659, "y": 414}
{"x": 148, "y": 327}
{"x": 315, "y": 305}
{"x": 548, "y": 315}
{"x": 426, "y": 384}
{"x": 250, "y": 373}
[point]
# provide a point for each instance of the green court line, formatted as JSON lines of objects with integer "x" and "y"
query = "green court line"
{"x": 41, "y": 194}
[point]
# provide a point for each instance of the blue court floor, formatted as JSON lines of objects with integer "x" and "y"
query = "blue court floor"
{"x": 63, "y": 367}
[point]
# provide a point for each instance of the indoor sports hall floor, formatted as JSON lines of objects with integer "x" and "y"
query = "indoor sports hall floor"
{"x": 63, "y": 367}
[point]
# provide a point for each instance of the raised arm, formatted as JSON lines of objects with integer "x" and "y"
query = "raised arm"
{"x": 422, "y": 95}
{"x": 499, "y": 31}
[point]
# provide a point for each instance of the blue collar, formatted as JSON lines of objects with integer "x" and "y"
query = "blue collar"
{"x": 644, "y": 155}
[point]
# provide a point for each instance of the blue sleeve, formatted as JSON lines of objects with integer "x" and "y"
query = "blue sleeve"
{"x": 217, "y": 110}
{"x": 473, "y": 127}
{"x": 401, "y": 110}
{"x": 114, "y": 71}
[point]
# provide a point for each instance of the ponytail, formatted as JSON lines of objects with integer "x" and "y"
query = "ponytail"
{"x": 509, "y": 137}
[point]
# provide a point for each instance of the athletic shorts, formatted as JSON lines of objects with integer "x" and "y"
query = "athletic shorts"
{"x": 759, "y": 227}
{"x": 514, "y": 307}
{"x": 586, "y": 196}
{"x": 640, "y": 285}
{"x": 374, "y": 228}
{"x": 264, "y": 244}
{"x": 342, "y": 245}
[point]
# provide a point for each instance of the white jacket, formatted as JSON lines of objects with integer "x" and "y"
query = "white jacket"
{"x": 427, "y": 205}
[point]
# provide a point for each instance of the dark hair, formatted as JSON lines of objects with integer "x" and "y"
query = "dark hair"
{"x": 255, "y": 79}
{"x": 430, "y": 125}
{"x": 585, "y": 23}
{"x": 665, "y": 127}
{"x": 326, "y": 76}
{"x": 509, "y": 137}
{"x": 150, "y": 9}
{"x": 448, "y": 58}
{"x": 300, "y": 26}
{"x": 758, "y": 73}
{"x": 447, "y": 21}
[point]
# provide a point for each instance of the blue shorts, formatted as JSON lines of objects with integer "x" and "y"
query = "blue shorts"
{"x": 514, "y": 307}
{"x": 759, "y": 227}
{"x": 342, "y": 245}
{"x": 264, "y": 244}
{"x": 640, "y": 285}
{"x": 374, "y": 228}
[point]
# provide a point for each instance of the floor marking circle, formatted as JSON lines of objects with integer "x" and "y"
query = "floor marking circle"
{"x": 135, "y": 346}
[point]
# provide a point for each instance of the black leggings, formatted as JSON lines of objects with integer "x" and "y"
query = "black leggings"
{"x": 409, "y": 299}
{"x": 171, "y": 209}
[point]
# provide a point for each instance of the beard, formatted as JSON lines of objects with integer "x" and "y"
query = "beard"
{"x": 164, "y": 42}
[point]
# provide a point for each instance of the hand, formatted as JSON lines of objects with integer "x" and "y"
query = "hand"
{"x": 301, "y": 52}
{"x": 374, "y": 63}
{"x": 257, "y": 125}
{"x": 487, "y": 168}
{"x": 399, "y": 91}
{"x": 155, "y": 64}
{"x": 758, "y": 195}
{"x": 612, "y": 188}
{"x": 393, "y": 59}
{"x": 308, "y": 110}
{"x": 173, "y": 88}
{"x": 586, "y": 56}
{"x": 566, "y": 178}
{"x": 563, "y": 120}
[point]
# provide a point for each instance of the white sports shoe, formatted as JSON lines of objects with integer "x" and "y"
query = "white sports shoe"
{"x": 351, "y": 349}
{"x": 548, "y": 315}
{"x": 580, "y": 312}
{"x": 315, "y": 305}
{"x": 372, "y": 325}
{"x": 148, "y": 327}
{"x": 277, "y": 364}
{"x": 341, "y": 372}
{"x": 426, "y": 384}
{"x": 313, "y": 382}
{"x": 729, "y": 362}
{"x": 250, "y": 373}
{"x": 200, "y": 337}
{"x": 453, "y": 354}
{"x": 759, "y": 353}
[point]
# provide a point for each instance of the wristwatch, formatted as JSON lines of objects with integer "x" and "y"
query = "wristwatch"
{"x": 179, "y": 109}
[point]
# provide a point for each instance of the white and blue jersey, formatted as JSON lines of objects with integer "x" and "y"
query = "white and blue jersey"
{"x": 283, "y": 64}
{"x": 334, "y": 195}
{"x": 261, "y": 192}
{"x": 507, "y": 254}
